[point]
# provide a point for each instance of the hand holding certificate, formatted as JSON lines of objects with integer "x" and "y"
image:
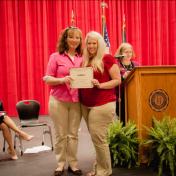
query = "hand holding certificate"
{"x": 82, "y": 77}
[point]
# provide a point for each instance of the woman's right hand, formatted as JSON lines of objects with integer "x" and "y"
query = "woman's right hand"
{"x": 66, "y": 79}
{"x": 56, "y": 81}
{"x": 126, "y": 74}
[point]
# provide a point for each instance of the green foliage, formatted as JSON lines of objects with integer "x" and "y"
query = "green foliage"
{"x": 161, "y": 144}
{"x": 123, "y": 143}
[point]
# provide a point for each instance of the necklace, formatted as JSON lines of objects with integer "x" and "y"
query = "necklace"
{"x": 127, "y": 67}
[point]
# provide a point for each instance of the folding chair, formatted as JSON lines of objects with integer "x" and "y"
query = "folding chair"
{"x": 28, "y": 111}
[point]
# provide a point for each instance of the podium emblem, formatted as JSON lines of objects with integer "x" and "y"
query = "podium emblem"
{"x": 158, "y": 100}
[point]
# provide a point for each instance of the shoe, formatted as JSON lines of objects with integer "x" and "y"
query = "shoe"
{"x": 58, "y": 173}
{"x": 26, "y": 138}
{"x": 91, "y": 174}
{"x": 12, "y": 157}
{"x": 76, "y": 172}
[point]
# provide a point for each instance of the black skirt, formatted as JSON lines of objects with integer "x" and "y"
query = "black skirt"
{"x": 1, "y": 119}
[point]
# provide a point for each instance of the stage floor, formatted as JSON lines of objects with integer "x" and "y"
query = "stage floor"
{"x": 44, "y": 163}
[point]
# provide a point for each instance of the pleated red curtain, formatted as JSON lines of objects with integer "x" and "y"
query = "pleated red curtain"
{"x": 29, "y": 31}
{"x": 9, "y": 55}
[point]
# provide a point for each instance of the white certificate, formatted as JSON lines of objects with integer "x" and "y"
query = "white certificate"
{"x": 82, "y": 77}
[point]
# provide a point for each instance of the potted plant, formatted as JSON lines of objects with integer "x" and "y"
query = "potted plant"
{"x": 161, "y": 144}
{"x": 123, "y": 143}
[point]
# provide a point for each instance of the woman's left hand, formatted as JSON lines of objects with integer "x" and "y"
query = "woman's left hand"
{"x": 96, "y": 83}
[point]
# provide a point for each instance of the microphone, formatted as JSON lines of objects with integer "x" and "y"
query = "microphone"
{"x": 120, "y": 56}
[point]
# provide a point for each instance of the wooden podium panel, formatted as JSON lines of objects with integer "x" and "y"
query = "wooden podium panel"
{"x": 150, "y": 91}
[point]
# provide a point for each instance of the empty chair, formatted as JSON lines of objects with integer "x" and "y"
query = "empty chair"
{"x": 28, "y": 111}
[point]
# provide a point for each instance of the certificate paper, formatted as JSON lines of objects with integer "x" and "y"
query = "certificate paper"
{"x": 82, "y": 77}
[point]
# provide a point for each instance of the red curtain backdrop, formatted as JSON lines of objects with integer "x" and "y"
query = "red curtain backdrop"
{"x": 29, "y": 31}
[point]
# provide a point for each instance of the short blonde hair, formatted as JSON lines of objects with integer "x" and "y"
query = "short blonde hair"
{"x": 101, "y": 50}
{"x": 122, "y": 47}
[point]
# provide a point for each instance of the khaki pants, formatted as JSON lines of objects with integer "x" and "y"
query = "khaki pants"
{"x": 98, "y": 120}
{"x": 66, "y": 117}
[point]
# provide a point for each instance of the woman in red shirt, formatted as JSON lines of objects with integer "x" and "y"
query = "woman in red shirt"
{"x": 99, "y": 103}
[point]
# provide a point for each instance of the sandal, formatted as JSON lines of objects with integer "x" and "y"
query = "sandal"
{"x": 91, "y": 174}
{"x": 58, "y": 172}
{"x": 26, "y": 137}
{"x": 10, "y": 153}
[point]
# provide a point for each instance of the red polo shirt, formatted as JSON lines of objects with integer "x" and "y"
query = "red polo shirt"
{"x": 96, "y": 97}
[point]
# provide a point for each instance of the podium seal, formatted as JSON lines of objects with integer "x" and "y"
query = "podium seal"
{"x": 158, "y": 100}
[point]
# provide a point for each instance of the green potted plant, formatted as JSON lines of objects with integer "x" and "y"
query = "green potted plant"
{"x": 123, "y": 143}
{"x": 161, "y": 144}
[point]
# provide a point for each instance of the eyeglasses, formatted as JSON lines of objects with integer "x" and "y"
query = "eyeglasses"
{"x": 128, "y": 52}
{"x": 72, "y": 27}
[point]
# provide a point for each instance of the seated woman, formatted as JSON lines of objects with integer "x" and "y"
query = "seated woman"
{"x": 5, "y": 125}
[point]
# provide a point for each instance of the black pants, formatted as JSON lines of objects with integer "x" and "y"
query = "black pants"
{"x": 122, "y": 108}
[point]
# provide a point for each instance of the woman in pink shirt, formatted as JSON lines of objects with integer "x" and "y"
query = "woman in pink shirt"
{"x": 5, "y": 125}
{"x": 64, "y": 105}
{"x": 98, "y": 103}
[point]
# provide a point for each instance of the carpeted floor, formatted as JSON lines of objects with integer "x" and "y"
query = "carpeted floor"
{"x": 44, "y": 163}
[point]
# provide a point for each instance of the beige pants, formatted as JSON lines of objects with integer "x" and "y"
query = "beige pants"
{"x": 66, "y": 117}
{"x": 98, "y": 120}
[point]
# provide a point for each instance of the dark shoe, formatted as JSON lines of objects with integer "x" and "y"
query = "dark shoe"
{"x": 58, "y": 173}
{"x": 76, "y": 172}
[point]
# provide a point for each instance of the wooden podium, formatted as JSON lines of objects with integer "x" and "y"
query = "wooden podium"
{"x": 150, "y": 91}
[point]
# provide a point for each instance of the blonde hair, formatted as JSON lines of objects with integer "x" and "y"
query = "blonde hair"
{"x": 97, "y": 62}
{"x": 122, "y": 47}
{"x": 62, "y": 45}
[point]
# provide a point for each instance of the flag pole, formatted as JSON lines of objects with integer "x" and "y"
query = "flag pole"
{"x": 123, "y": 37}
{"x": 123, "y": 41}
{"x": 103, "y": 16}
{"x": 119, "y": 98}
{"x": 72, "y": 20}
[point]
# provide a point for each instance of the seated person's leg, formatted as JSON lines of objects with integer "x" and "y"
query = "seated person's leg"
{"x": 8, "y": 137}
{"x": 9, "y": 122}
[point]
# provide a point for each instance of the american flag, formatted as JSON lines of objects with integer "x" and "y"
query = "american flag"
{"x": 105, "y": 34}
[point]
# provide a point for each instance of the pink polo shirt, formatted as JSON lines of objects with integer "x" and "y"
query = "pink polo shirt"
{"x": 58, "y": 66}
